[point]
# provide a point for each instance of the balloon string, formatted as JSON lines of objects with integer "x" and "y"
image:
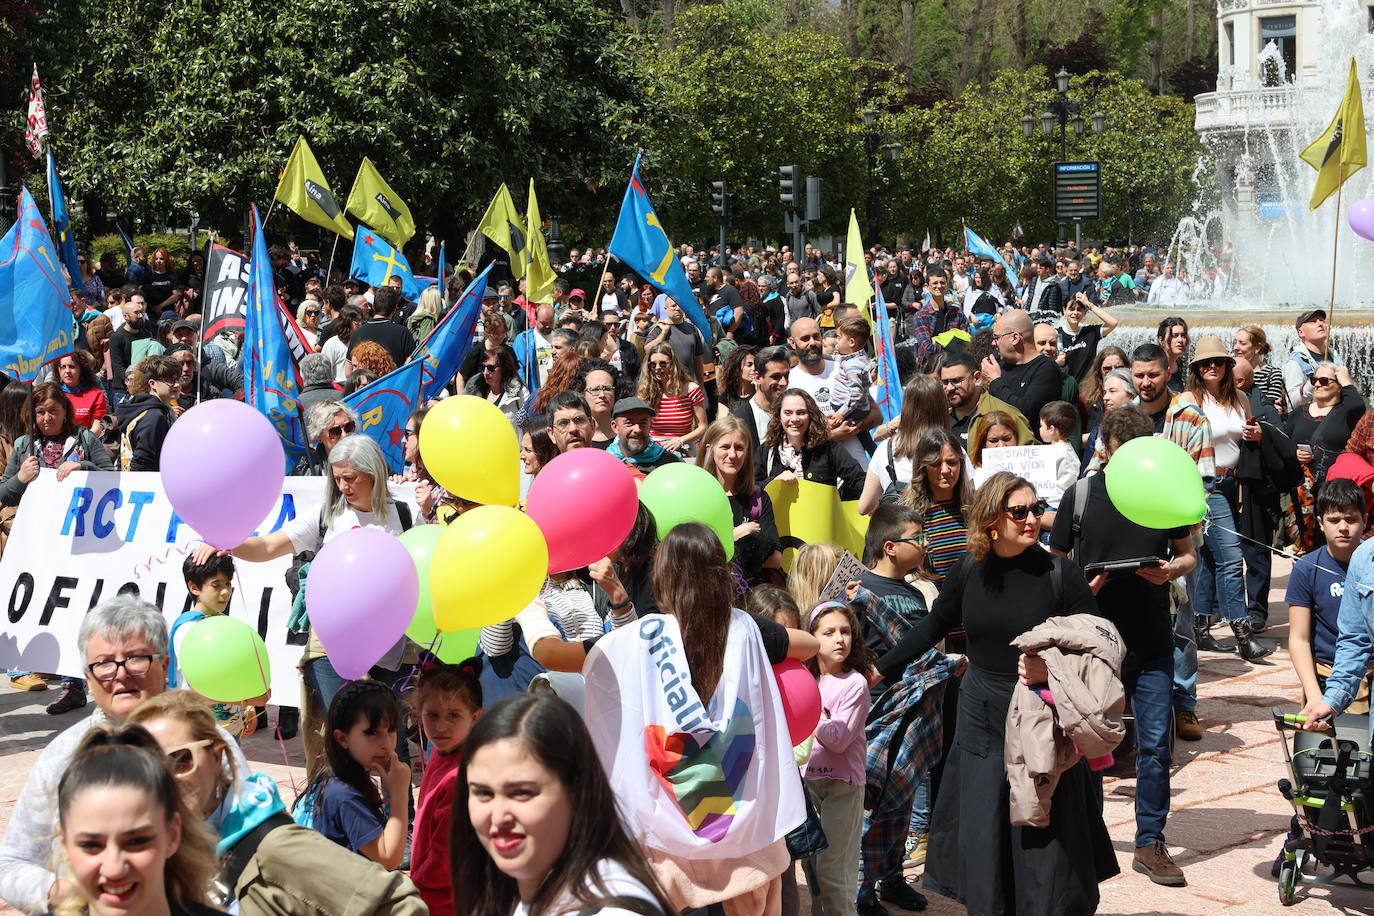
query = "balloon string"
{"x": 1286, "y": 553}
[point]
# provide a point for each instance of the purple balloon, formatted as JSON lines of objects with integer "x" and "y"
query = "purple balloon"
{"x": 217, "y": 449}
{"x": 1361, "y": 218}
{"x": 361, "y": 593}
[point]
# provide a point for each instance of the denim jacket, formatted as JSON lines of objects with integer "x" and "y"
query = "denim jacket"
{"x": 1356, "y": 625}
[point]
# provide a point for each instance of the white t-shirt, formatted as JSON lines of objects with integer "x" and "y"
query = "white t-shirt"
{"x": 337, "y": 351}
{"x": 116, "y": 315}
{"x": 1226, "y": 429}
{"x": 818, "y": 386}
{"x": 618, "y": 883}
{"x": 761, "y": 419}
{"x": 304, "y": 533}
{"x": 877, "y": 465}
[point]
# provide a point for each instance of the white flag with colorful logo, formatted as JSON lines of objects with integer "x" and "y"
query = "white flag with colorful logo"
{"x": 37, "y": 127}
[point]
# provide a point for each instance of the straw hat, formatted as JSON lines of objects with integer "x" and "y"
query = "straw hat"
{"x": 1211, "y": 347}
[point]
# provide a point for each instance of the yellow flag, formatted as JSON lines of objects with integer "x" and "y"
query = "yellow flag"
{"x": 501, "y": 224}
{"x": 539, "y": 273}
{"x": 373, "y": 202}
{"x": 303, "y": 190}
{"x": 857, "y": 289}
{"x": 1340, "y": 151}
{"x": 812, "y": 513}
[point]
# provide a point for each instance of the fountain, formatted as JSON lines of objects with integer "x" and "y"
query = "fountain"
{"x": 1255, "y": 125}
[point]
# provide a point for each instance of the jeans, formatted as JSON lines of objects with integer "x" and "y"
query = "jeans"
{"x": 1221, "y": 582}
{"x": 1185, "y": 650}
{"x": 920, "y": 808}
{"x": 1148, "y": 689}
{"x": 1259, "y": 566}
{"x": 1356, "y": 625}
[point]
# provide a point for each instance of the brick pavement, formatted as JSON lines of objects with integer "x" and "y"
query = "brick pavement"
{"x": 1226, "y": 823}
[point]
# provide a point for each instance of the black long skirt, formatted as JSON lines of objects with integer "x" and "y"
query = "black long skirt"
{"x": 977, "y": 857}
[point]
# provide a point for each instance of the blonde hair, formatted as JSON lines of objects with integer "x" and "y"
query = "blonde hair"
{"x": 744, "y": 480}
{"x": 195, "y": 713}
{"x": 811, "y": 569}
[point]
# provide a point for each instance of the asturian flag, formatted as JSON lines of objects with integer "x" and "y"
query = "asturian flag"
{"x": 641, "y": 242}
{"x": 271, "y": 379}
{"x": 61, "y": 223}
{"x": 974, "y": 244}
{"x": 375, "y": 261}
{"x": 384, "y": 408}
{"x": 35, "y": 308}
{"x": 443, "y": 350}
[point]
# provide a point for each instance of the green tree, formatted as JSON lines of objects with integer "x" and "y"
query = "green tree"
{"x": 167, "y": 104}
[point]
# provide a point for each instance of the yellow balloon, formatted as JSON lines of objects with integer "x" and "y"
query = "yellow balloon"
{"x": 471, "y": 449}
{"x": 488, "y": 565}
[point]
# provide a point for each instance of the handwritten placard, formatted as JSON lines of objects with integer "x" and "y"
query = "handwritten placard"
{"x": 1033, "y": 462}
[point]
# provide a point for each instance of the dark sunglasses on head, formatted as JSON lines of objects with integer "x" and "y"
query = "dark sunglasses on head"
{"x": 1019, "y": 513}
{"x": 346, "y": 429}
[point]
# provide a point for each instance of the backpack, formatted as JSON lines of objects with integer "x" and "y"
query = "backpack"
{"x": 300, "y": 563}
{"x": 126, "y": 442}
{"x": 894, "y": 489}
{"x": 186, "y": 617}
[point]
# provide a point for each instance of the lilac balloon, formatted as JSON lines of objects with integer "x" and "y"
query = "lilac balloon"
{"x": 222, "y": 467}
{"x": 1361, "y": 218}
{"x": 361, "y": 593}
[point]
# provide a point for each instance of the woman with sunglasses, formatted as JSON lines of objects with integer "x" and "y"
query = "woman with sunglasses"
{"x": 91, "y": 283}
{"x": 1221, "y": 568}
{"x": 1321, "y": 429}
{"x": 268, "y": 863}
{"x": 498, "y": 381}
{"x": 679, "y": 403}
{"x": 308, "y": 317}
{"x": 1006, "y": 586}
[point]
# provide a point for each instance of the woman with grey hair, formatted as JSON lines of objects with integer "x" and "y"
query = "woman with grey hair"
{"x": 123, "y": 650}
{"x": 326, "y": 423}
{"x": 355, "y": 496}
{"x": 1117, "y": 388}
{"x": 317, "y": 381}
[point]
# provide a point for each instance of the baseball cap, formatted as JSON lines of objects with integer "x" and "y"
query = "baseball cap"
{"x": 625, "y": 405}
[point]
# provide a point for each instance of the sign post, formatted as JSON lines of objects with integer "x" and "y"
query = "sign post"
{"x": 1077, "y": 193}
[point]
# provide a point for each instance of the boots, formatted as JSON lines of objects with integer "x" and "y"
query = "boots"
{"x": 1205, "y": 641}
{"x": 1249, "y": 648}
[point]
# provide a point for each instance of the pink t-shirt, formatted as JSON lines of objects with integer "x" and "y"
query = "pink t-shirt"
{"x": 839, "y": 750}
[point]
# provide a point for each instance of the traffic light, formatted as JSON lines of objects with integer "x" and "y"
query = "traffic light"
{"x": 813, "y": 198}
{"x": 787, "y": 184}
{"x": 718, "y": 198}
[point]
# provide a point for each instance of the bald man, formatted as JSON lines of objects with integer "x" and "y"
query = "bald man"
{"x": 1020, "y": 374}
{"x": 1047, "y": 342}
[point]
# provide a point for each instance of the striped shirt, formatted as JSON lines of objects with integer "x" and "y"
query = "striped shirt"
{"x": 946, "y": 542}
{"x": 676, "y": 417}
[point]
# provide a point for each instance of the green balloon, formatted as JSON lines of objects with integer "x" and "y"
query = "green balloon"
{"x": 225, "y": 660}
{"x": 457, "y": 645}
{"x": 419, "y": 541}
{"x": 1154, "y": 483}
{"x": 680, "y": 492}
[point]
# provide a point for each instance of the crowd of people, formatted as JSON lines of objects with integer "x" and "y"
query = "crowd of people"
{"x": 985, "y": 612}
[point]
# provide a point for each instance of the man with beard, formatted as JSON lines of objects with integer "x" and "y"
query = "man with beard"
{"x": 812, "y": 375}
{"x": 963, "y": 384}
{"x": 1024, "y": 377}
{"x": 631, "y": 419}
{"x": 129, "y": 344}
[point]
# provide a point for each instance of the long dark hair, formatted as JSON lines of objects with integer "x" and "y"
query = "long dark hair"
{"x": 693, "y": 582}
{"x": 553, "y": 734}
{"x": 14, "y": 415}
{"x": 636, "y": 552}
{"x": 371, "y": 700}
{"x": 919, "y": 495}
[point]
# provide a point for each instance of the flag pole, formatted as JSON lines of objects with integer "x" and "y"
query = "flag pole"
{"x": 270, "y": 208}
{"x": 329, "y": 271}
{"x": 1335, "y": 243}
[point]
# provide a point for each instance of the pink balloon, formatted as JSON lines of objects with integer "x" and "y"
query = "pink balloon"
{"x": 1361, "y": 217}
{"x": 801, "y": 698}
{"x": 585, "y": 503}
{"x": 222, "y": 467}
{"x": 361, "y": 593}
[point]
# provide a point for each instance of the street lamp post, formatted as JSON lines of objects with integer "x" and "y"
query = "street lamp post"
{"x": 1064, "y": 111}
{"x": 891, "y": 150}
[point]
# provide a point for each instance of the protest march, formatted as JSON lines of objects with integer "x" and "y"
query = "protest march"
{"x": 659, "y": 578}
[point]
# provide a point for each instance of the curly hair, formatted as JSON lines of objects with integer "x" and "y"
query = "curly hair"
{"x": 733, "y": 372}
{"x": 85, "y": 362}
{"x": 677, "y": 383}
{"x": 817, "y": 430}
{"x": 372, "y": 356}
{"x": 561, "y": 379}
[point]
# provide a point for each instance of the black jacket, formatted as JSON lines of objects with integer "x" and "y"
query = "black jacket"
{"x": 122, "y": 351}
{"x": 145, "y": 440}
{"x": 1264, "y": 470}
{"x": 828, "y": 463}
{"x": 397, "y": 340}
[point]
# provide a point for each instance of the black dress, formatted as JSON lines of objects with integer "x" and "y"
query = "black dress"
{"x": 976, "y": 855}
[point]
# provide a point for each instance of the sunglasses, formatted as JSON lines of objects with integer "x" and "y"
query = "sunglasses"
{"x": 345, "y": 429}
{"x": 312, "y": 311}
{"x": 182, "y": 760}
{"x": 490, "y": 367}
{"x": 1215, "y": 362}
{"x": 1322, "y": 382}
{"x": 1019, "y": 513}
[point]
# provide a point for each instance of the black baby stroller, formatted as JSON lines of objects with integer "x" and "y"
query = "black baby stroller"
{"x": 1333, "y": 808}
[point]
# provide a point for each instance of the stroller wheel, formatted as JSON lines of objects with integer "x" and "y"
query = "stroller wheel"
{"x": 1287, "y": 876}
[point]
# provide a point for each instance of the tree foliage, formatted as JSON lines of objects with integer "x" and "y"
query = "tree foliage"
{"x": 172, "y": 104}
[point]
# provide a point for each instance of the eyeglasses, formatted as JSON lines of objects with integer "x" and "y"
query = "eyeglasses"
{"x": 917, "y": 539}
{"x": 407, "y": 433}
{"x": 134, "y": 666}
{"x": 345, "y": 429}
{"x": 602, "y": 389}
{"x": 182, "y": 761}
{"x": 172, "y": 382}
{"x": 1019, "y": 513}
{"x": 1322, "y": 382}
{"x": 954, "y": 382}
{"x": 569, "y": 422}
{"x": 997, "y": 337}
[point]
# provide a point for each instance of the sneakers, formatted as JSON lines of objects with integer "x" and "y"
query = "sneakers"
{"x": 1186, "y": 725}
{"x": 896, "y": 890}
{"x": 916, "y": 848}
{"x": 70, "y": 698}
{"x": 1258, "y": 624}
{"x": 28, "y": 682}
{"x": 866, "y": 903}
{"x": 1154, "y": 860}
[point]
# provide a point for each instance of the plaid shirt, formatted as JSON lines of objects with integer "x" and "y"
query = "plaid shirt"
{"x": 1185, "y": 425}
{"x": 923, "y": 325}
{"x": 904, "y": 733}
